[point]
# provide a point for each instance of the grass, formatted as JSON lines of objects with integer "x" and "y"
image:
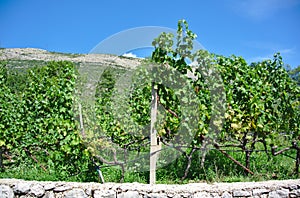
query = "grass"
{"x": 29, "y": 171}
{"x": 217, "y": 168}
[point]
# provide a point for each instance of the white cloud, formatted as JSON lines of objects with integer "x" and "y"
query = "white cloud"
{"x": 261, "y": 9}
{"x": 284, "y": 53}
{"x": 269, "y": 47}
{"x": 266, "y": 50}
{"x": 287, "y": 51}
{"x": 259, "y": 58}
{"x": 130, "y": 55}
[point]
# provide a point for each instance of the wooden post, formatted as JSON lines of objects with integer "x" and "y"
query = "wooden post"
{"x": 1, "y": 159}
{"x": 154, "y": 147}
{"x": 81, "y": 121}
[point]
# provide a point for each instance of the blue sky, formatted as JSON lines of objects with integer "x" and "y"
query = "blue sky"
{"x": 253, "y": 29}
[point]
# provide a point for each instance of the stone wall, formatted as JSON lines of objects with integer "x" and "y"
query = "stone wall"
{"x": 11, "y": 188}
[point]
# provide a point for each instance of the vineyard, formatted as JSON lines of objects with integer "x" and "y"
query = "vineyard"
{"x": 219, "y": 120}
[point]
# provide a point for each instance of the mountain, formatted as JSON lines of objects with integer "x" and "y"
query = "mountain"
{"x": 33, "y": 54}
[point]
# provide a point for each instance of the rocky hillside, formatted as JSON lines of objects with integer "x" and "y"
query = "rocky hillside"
{"x": 43, "y": 55}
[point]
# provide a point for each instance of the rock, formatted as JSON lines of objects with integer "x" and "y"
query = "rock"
{"x": 22, "y": 188}
{"x": 75, "y": 193}
{"x": 49, "y": 195}
{"x": 6, "y": 192}
{"x": 155, "y": 195}
{"x": 169, "y": 195}
{"x": 283, "y": 193}
{"x": 241, "y": 193}
{"x": 62, "y": 188}
{"x": 215, "y": 195}
{"x": 59, "y": 195}
{"x": 296, "y": 193}
{"x": 105, "y": 194}
{"x": 226, "y": 195}
{"x": 49, "y": 186}
{"x": 202, "y": 194}
{"x": 37, "y": 190}
{"x": 26, "y": 196}
{"x": 262, "y": 196}
{"x": 176, "y": 196}
{"x": 293, "y": 187}
{"x": 185, "y": 195}
{"x": 129, "y": 194}
{"x": 260, "y": 191}
{"x": 89, "y": 191}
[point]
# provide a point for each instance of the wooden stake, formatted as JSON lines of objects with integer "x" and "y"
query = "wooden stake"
{"x": 154, "y": 147}
{"x": 81, "y": 121}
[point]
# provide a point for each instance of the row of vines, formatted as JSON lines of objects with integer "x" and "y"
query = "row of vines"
{"x": 37, "y": 123}
{"x": 240, "y": 107}
{"x": 245, "y": 108}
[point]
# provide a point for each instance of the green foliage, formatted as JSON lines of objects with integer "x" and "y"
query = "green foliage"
{"x": 106, "y": 119}
{"x": 239, "y": 110}
{"x": 261, "y": 97}
{"x": 37, "y": 121}
{"x": 295, "y": 74}
{"x": 261, "y": 103}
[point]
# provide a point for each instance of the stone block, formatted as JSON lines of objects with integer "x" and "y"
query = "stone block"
{"x": 75, "y": 193}
{"x": 37, "y": 190}
{"x": 226, "y": 195}
{"x": 22, "y": 188}
{"x": 202, "y": 195}
{"x": 260, "y": 191}
{"x": 6, "y": 192}
{"x": 283, "y": 193}
{"x": 105, "y": 194}
{"x": 241, "y": 193}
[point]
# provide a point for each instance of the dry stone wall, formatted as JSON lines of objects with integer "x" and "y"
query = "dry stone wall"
{"x": 11, "y": 188}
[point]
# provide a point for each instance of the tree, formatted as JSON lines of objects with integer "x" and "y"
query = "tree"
{"x": 295, "y": 74}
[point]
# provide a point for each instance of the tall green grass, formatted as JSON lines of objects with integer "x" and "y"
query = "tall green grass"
{"x": 217, "y": 168}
